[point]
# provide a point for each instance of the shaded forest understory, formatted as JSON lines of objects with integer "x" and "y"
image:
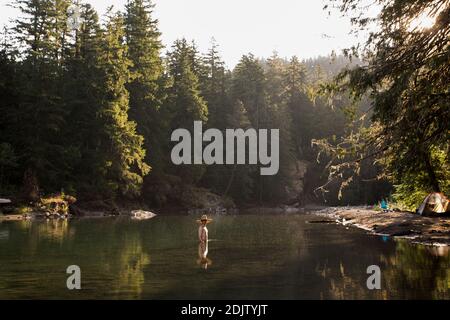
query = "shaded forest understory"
{"x": 88, "y": 110}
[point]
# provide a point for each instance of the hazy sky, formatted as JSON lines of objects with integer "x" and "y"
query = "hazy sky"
{"x": 291, "y": 27}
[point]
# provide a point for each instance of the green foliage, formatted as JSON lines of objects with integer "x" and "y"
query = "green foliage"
{"x": 185, "y": 103}
{"x": 123, "y": 147}
{"x": 88, "y": 110}
{"x": 8, "y": 163}
{"x": 73, "y": 108}
{"x": 8, "y": 157}
{"x": 405, "y": 73}
{"x": 411, "y": 193}
{"x": 147, "y": 85}
{"x": 184, "y": 96}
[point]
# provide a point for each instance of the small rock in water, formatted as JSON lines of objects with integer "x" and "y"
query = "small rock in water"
{"x": 5, "y": 201}
{"x": 142, "y": 215}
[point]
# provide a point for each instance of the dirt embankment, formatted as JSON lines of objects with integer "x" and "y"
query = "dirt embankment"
{"x": 426, "y": 230}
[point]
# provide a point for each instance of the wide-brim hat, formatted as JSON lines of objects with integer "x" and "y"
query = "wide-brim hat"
{"x": 204, "y": 218}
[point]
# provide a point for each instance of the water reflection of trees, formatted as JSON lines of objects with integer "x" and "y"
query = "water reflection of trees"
{"x": 121, "y": 258}
{"x": 110, "y": 253}
{"x": 420, "y": 272}
{"x": 407, "y": 272}
{"x": 340, "y": 283}
{"x": 132, "y": 262}
{"x": 55, "y": 229}
{"x": 51, "y": 229}
{"x": 32, "y": 236}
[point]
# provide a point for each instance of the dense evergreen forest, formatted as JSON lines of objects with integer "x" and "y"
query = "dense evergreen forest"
{"x": 88, "y": 107}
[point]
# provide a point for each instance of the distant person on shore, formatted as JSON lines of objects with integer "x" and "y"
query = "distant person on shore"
{"x": 203, "y": 245}
{"x": 384, "y": 205}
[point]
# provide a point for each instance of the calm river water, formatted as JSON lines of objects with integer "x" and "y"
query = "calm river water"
{"x": 249, "y": 257}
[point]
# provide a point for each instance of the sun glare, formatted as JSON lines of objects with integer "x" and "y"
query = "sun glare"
{"x": 422, "y": 22}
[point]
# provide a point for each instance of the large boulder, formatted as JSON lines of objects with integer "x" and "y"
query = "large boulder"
{"x": 6, "y": 206}
{"x": 297, "y": 174}
{"x": 200, "y": 200}
{"x": 5, "y": 201}
{"x": 167, "y": 190}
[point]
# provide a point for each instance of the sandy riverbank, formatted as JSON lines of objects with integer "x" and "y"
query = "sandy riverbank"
{"x": 426, "y": 230}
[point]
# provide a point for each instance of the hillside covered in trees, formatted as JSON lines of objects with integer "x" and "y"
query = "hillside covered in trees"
{"x": 88, "y": 108}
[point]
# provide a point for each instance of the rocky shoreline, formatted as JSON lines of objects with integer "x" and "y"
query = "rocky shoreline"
{"x": 434, "y": 231}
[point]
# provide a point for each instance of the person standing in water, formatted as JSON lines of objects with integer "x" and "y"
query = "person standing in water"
{"x": 203, "y": 230}
{"x": 203, "y": 245}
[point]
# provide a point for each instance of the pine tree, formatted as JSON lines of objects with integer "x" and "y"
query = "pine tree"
{"x": 41, "y": 32}
{"x": 214, "y": 83}
{"x": 299, "y": 106}
{"x": 248, "y": 91}
{"x": 279, "y": 188}
{"x": 123, "y": 147}
{"x": 148, "y": 82}
{"x": 83, "y": 94}
{"x": 249, "y": 86}
{"x": 185, "y": 102}
{"x": 8, "y": 121}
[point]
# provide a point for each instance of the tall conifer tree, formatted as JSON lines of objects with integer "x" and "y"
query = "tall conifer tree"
{"x": 148, "y": 83}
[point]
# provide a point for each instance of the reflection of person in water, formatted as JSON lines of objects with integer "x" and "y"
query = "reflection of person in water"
{"x": 203, "y": 245}
{"x": 203, "y": 260}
